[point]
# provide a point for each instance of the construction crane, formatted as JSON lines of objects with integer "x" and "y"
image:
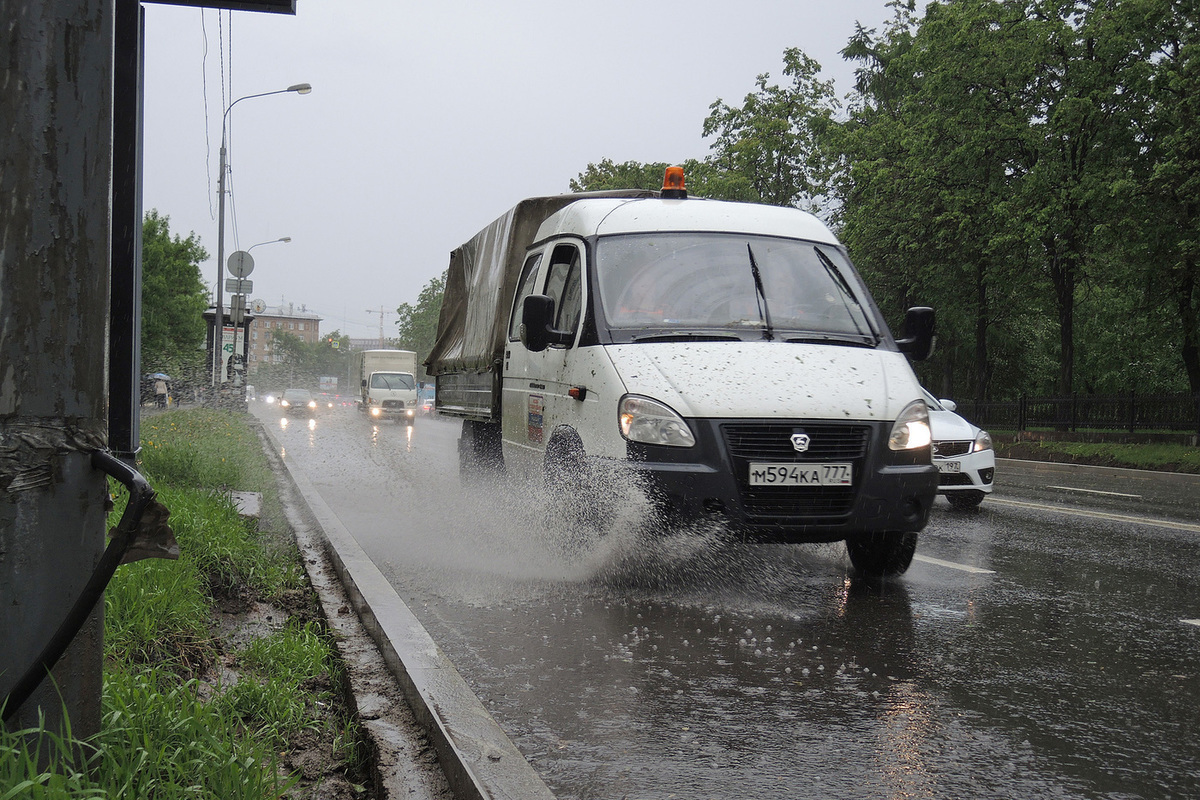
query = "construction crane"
{"x": 381, "y": 312}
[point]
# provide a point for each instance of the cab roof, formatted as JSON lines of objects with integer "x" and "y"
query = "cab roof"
{"x": 611, "y": 216}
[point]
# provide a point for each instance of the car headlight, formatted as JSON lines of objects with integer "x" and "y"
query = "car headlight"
{"x": 284, "y": 403}
{"x": 910, "y": 431}
{"x": 983, "y": 441}
{"x": 312, "y": 403}
{"x": 649, "y": 421}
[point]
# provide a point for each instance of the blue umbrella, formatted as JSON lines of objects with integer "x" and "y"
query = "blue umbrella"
{"x": 157, "y": 375}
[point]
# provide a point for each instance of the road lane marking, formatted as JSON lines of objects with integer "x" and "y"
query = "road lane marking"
{"x": 952, "y": 565}
{"x": 1097, "y": 491}
{"x": 1195, "y": 622}
{"x": 1080, "y": 512}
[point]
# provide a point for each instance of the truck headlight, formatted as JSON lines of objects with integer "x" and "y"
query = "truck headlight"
{"x": 910, "y": 431}
{"x": 650, "y": 422}
{"x": 375, "y": 411}
{"x": 983, "y": 441}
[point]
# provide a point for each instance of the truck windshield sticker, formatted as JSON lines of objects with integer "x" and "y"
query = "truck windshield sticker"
{"x": 536, "y": 419}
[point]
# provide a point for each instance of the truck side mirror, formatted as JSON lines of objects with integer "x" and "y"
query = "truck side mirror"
{"x": 919, "y": 338}
{"x": 537, "y": 324}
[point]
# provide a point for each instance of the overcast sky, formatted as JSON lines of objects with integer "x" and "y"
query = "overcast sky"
{"x": 429, "y": 120}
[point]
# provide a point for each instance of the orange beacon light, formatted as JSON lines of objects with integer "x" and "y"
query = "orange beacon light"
{"x": 673, "y": 187}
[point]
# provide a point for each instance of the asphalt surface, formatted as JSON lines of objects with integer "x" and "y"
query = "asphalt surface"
{"x": 481, "y": 761}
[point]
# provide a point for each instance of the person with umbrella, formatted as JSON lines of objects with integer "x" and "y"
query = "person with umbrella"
{"x": 160, "y": 389}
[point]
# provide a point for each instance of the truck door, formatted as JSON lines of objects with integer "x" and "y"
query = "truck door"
{"x": 535, "y": 389}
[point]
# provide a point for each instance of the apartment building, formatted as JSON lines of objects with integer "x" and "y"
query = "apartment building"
{"x": 297, "y": 321}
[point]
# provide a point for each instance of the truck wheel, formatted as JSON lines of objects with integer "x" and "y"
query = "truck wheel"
{"x": 882, "y": 554}
{"x": 575, "y": 503}
{"x": 964, "y": 501}
{"x": 480, "y": 455}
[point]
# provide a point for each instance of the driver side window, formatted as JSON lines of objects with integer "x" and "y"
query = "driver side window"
{"x": 525, "y": 288}
{"x": 565, "y": 285}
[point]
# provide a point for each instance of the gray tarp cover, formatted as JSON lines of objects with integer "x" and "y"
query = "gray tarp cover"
{"x": 481, "y": 280}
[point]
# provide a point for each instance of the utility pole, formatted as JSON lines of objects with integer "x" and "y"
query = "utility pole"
{"x": 56, "y": 165}
{"x": 380, "y": 312}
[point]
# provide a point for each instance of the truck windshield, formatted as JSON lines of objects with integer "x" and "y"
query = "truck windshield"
{"x": 392, "y": 380}
{"x": 729, "y": 285}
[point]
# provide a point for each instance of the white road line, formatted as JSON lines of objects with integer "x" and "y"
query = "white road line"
{"x": 1080, "y": 512}
{"x": 1097, "y": 491}
{"x": 1195, "y": 622}
{"x": 951, "y": 565}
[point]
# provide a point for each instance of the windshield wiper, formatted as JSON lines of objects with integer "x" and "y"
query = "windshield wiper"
{"x": 763, "y": 311}
{"x": 840, "y": 280}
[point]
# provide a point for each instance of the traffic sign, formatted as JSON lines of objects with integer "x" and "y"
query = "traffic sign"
{"x": 238, "y": 286}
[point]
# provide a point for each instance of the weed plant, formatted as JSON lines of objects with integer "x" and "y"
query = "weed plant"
{"x": 165, "y": 734}
{"x": 285, "y": 673}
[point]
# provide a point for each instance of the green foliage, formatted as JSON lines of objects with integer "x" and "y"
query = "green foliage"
{"x": 173, "y": 299}
{"x": 163, "y": 741}
{"x": 774, "y": 141}
{"x": 1029, "y": 168}
{"x": 417, "y": 324}
{"x": 268, "y": 698}
{"x": 302, "y": 363}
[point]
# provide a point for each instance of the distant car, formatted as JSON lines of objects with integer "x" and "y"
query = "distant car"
{"x": 298, "y": 401}
{"x": 963, "y": 454}
{"x": 427, "y": 406}
{"x": 326, "y": 400}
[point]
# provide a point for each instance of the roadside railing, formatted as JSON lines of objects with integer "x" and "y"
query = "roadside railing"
{"x": 1130, "y": 412}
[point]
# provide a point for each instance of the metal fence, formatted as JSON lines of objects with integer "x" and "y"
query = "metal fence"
{"x": 1118, "y": 412}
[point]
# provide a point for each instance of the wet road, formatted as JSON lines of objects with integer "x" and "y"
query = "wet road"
{"x": 1045, "y": 646}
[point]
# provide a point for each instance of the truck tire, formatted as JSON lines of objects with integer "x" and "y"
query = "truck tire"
{"x": 882, "y": 554}
{"x": 576, "y": 504}
{"x": 480, "y": 455}
{"x": 964, "y": 501}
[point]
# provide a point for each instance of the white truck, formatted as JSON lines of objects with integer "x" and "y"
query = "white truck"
{"x": 726, "y": 355}
{"x": 387, "y": 384}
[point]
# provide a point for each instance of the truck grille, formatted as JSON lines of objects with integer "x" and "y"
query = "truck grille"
{"x": 393, "y": 404}
{"x": 772, "y": 442}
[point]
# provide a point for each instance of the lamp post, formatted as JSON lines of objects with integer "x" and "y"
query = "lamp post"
{"x": 219, "y": 317}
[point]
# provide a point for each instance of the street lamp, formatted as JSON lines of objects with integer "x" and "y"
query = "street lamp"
{"x": 219, "y": 318}
{"x": 273, "y": 241}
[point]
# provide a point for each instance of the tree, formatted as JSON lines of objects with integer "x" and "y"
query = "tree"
{"x": 704, "y": 179}
{"x": 417, "y": 325}
{"x": 173, "y": 299}
{"x": 774, "y": 140}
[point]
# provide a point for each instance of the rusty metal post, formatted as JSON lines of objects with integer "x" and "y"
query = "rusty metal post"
{"x": 56, "y": 102}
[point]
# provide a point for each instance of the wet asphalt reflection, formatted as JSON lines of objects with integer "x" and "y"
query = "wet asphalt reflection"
{"x": 690, "y": 666}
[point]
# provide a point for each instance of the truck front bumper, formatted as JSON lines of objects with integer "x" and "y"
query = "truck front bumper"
{"x": 381, "y": 412}
{"x": 890, "y": 491}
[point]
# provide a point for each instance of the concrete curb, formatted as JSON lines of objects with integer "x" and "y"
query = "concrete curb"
{"x": 478, "y": 758}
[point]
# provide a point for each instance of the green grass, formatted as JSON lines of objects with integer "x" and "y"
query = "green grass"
{"x": 285, "y": 674}
{"x": 165, "y": 732}
{"x": 1163, "y": 456}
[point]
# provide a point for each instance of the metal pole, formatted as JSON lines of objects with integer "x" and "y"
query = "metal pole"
{"x": 219, "y": 317}
{"x": 56, "y": 179}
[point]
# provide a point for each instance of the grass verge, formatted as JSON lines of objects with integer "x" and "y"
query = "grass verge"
{"x": 220, "y": 679}
{"x": 1165, "y": 457}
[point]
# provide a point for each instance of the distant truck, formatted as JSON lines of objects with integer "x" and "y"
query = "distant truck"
{"x": 727, "y": 356}
{"x": 387, "y": 384}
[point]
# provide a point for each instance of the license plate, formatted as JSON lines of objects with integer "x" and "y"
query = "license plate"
{"x": 949, "y": 466}
{"x": 801, "y": 474}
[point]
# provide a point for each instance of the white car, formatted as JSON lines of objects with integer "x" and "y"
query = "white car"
{"x": 963, "y": 454}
